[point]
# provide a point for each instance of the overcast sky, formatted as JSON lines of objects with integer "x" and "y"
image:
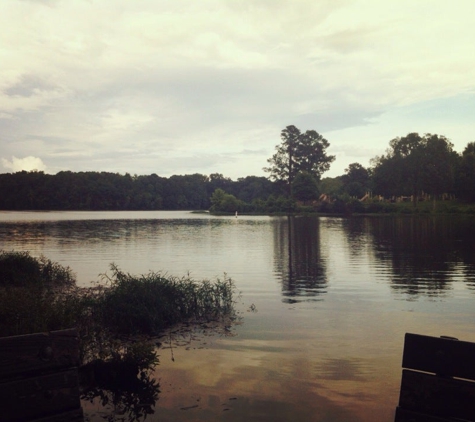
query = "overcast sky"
{"x": 206, "y": 86}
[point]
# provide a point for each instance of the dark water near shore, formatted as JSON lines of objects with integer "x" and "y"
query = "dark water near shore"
{"x": 325, "y": 303}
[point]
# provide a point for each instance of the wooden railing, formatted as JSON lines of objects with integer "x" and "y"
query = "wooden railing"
{"x": 438, "y": 382}
{"x": 39, "y": 377}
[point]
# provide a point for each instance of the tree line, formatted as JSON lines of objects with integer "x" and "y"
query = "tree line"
{"x": 413, "y": 166}
{"x": 417, "y": 167}
{"x": 99, "y": 191}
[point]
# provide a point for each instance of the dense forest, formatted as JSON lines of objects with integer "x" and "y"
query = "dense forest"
{"x": 414, "y": 166}
{"x": 111, "y": 191}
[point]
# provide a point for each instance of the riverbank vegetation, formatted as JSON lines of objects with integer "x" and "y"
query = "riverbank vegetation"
{"x": 415, "y": 168}
{"x": 38, "y": 295}
{"x": 119, "y": 322}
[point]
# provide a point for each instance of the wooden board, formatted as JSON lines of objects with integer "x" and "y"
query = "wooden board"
{"x": 39, "y": 396}
{"x": 76, "y": 415}
{"x": 441, "y": 356}
{"x": 35, "y": 353}
{"x": 39, "y": 377}
{"x": 437, "y": 396}
{"x": 403, "y": 415}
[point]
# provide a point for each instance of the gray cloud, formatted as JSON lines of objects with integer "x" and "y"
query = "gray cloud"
{"x": 28, "y": 85}
{"x": 179, "y": 85}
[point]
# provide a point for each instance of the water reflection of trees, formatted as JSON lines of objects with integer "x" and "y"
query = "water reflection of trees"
{"x": 120, "y": 389}
{"x": 356, "y": 230}
{"x": 298, "y": 259}
{"x": 425, "y": 254}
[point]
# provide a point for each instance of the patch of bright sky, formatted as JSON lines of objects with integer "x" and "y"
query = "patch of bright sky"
{"x": 450, "y": 117}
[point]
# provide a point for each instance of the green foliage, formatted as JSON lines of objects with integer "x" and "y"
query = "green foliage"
{"x": 32, "y": 309}
{"x": 305, "y": 187}
{"x": 149, "y": 303}
{"x": 377, "y": 207}
{"x": 331, "y": 186}
{"x": 128, "y": 306}
{"x": 356, "y": 181}
{"x": 252, "y": 188}
{"x": 280, "y": 204}
{"x": 355, "y": 189}
{"x": 21, "y": 269}
{"x": 18, "y": 268}
{"x": 354, "y": 206}
{"x": 339, "y": 205}
{"x": 109, "y": 191}
{"x": 124, "y": 381}
{"x": 225, "y": 202}
{"x": 259, "y": 206}
{"x": 415, "y": 164}
{"x": 465, "y": 174}
{"x": 145, "y": 305}
{"x": 412, "y": 164}
{"x": 299, "y": 152}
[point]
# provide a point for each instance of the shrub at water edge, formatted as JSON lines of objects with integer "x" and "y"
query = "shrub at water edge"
{"x": 106, "y": 315}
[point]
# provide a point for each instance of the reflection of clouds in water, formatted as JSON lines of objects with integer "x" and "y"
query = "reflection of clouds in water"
{"x": 261, "y": 388}
{"x": 278, "y": 380}
{"x": 342, "y": 369}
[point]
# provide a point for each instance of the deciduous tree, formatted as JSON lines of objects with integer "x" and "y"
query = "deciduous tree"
{"x": 414, "y": 164}
{"x": 305, "y": 187}
{"x": 299, "y": 152}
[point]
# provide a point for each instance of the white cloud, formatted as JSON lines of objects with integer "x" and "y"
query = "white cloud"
{"x": 27, "y": 163}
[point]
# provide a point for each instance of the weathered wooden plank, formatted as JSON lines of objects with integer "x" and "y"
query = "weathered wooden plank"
{"x": 39, "y": 396}
{"x": 76, "y": 415}
{"x": 437, "y": 396}
{"x": 441, "y": 356}
{"x": 404, "y": 415}
{"x": 32, "y": 353}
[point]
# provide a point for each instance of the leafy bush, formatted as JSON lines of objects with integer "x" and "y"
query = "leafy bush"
{"x": 375, "y": 207}
{"x": 281, "y": 204}
{"x": 225, "y": 202}
{"x": 355, "y": 206}
{"x": 21, "y": 269}
{"x": 339, "y": 206}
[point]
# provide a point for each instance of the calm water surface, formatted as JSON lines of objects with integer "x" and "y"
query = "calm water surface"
{"x": 325, "y": 303}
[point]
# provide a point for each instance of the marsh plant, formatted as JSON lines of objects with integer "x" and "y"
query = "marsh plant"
{"x": 149, "y": 303}
{"x": 20, "y": 269}
{"x": 39, "y": 295}
{"x": 29, "y": 294}
{"x": 128, "y": 307}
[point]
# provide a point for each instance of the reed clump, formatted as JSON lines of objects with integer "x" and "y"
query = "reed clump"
{"x": 20, "y": 269}
{"x": 149, "y": 303}
{"x": 39, "y": 295}
{"x": 29, "y": 294}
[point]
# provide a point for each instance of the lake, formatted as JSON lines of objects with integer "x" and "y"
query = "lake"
{"x": 324, "y": 303}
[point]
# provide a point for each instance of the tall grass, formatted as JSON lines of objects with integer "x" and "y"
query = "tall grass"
{"x": 149, "y": 303}
{"x": 29, "y": 289}
{"x": 21, "y": 269}
{"x": 39, "y": 295}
